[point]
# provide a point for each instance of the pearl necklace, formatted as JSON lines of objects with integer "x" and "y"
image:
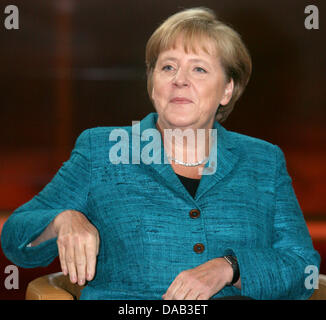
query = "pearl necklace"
{"x": 188, "y": 164}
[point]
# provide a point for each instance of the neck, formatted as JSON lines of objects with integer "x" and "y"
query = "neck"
{"x": 187, "y": 145}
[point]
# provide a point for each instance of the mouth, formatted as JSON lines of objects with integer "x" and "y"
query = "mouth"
{"x": 180, "y": 100}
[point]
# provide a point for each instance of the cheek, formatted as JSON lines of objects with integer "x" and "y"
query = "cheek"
{"x": 159, "y": 90}
{"x": 208, "y": 94}
{"x": 216, "y": 91}
{"x": 157, "y": 96}
{"x": 155, "y": 89}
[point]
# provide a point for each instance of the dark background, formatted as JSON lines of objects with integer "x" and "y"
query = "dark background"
{"x": 75, "y": 64}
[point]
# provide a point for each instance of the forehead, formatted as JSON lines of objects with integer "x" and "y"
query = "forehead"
{"x": 195, "y": 47}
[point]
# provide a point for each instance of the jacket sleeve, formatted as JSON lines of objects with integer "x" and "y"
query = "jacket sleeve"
{"x": 279, "y": 272}
{"x": 67, "y": 190}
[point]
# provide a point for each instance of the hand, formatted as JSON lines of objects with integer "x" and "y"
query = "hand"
{"x": 202, "y": 282}
{"x": 78, "y": 245}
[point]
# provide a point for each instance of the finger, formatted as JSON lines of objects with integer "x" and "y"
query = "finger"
{"x": 97, "y": 243}
{"x": 62, "y": 258}
{"x": 181, "y": 292}
{"x": 80, "y": 260}
{"x": 91, "y": 252}
{"x": 202, "y": 297}
{"x": 192, "y": 295}
{"x": 171, "y": 292}
{"x": 70, "y": 261}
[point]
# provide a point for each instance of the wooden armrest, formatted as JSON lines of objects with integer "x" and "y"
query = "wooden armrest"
{"x": 320, "y": 293}
{"x": 55, "y": 286}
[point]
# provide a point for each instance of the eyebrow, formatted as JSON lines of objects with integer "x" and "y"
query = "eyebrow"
{"x": 192, "y": 60}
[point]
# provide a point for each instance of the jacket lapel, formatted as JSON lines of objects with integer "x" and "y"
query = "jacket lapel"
{"x": 224, "y": 157}
{"x": 159, "y": 166}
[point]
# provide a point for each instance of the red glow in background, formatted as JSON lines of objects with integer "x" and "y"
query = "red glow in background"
{"x": 74, "y": 65}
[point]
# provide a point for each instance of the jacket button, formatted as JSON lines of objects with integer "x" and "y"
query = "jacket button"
{"x": 199, "y": 247}
{"x": 194, "y": 213}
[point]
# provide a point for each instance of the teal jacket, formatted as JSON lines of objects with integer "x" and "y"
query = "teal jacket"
{"x": 247, "y": 208}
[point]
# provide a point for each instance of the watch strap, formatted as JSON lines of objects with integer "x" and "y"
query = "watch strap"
{"x": 232, "y": 260}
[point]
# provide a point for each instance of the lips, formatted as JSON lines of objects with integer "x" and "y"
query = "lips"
{"x": 180, "y": 100}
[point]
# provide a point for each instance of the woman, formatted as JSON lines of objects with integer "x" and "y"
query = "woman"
{"x": 175, "y": 230}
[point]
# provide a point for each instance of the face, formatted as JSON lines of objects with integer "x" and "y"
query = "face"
{"x": 189, "y": 87}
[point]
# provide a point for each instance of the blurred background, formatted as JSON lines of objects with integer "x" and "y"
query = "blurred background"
{"x": 74, "y": 65}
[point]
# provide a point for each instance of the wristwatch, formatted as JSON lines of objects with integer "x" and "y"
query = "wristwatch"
{"x": 232, "y": 260}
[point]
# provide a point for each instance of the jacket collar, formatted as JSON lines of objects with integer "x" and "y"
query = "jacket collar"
{"x": 225, "y": 158}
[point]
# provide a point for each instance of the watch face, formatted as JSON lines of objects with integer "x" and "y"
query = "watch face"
{"x": 229, "y": 259}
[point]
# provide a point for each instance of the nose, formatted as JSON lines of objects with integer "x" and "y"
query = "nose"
{"x": 181, "y": 79}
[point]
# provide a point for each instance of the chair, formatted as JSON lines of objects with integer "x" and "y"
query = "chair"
{"x": 320, "y": 293}
{"x": 57, "y": 286}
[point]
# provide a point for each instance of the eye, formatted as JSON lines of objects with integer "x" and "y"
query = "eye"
{"x": 167, "y": 68}
{"x": 200, "y": 70}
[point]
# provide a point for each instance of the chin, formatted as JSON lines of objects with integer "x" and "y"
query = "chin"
{"x": 180, "y": 120}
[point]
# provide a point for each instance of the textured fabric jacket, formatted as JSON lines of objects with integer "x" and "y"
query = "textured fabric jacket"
{"x": 247, "y": 208}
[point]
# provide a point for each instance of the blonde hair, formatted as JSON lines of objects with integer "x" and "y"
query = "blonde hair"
{"x": 196, "y": 25}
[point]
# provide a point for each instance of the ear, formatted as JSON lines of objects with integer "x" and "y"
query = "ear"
{"x": 228, "y": 91}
